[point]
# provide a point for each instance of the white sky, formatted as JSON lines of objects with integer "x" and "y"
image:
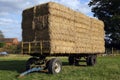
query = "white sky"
{"x": 11, "y": 13}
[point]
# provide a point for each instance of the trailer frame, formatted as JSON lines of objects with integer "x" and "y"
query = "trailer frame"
{"x": 39, "y": 53}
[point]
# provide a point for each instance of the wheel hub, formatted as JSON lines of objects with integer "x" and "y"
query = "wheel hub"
{"x": 57, "y": 68}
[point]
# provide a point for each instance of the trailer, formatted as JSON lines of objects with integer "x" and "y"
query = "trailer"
{"x": 51, "y": 29}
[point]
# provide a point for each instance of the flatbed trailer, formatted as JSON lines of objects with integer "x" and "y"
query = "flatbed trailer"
{"x": 52, "y": 29}
{"x": 54, "y": 65}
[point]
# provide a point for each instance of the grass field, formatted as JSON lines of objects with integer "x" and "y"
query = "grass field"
{"x": 107, "y": 68}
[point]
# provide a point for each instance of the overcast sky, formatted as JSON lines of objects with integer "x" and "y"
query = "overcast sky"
{"x": 11, "y": 13}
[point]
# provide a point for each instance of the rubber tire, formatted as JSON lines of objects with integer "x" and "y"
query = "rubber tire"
{"x": 47, "y": 65}
{"x": 29, "y": 62}
{"x": 71, "y": 60}
{"x": 91, "y": 60}
{"x": 51, "y": 66}
{"x": 76, "y": 62}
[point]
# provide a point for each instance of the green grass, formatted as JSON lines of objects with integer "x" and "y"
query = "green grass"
{"x": 107, "y": 68}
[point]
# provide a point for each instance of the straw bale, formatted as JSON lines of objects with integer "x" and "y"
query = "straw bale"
{"x": 60, "y": 7}
{"x": 27, "y": 32}
{"x": 28, "y": 13}
{"x": 66, "y": 30}
{"x": 65, "y": 47}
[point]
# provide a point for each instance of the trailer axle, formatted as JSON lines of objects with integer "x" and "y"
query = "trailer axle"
{"x": 30, "y": 70}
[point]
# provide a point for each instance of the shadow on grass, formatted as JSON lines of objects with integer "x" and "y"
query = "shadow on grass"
{"x": 67, "y": 64}
{"x": 14, "y": 65}
{"x": 19, "y": 65}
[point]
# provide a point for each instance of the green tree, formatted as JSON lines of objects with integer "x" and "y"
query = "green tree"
{"x": 109, "y": 12}
{"x": 2, "y": 44}
{"x": 1, "y": 34}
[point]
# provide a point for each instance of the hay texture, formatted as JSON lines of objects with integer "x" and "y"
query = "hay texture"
{"x": 66, "y": 30}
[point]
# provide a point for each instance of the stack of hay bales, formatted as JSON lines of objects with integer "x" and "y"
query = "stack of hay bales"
{"x": 83, "y": 30}
{"x": 97, "y": 35}
{"x": 66, "y": 30}
{"x": 27, "y": 25}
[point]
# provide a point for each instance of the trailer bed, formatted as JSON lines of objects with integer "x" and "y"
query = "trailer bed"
{"x": 38, "y": 48}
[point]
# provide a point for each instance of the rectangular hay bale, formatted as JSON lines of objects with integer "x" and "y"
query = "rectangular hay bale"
{"x": 66, "y": 30}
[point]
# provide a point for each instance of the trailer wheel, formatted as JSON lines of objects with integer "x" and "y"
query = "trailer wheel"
{"x": 30, "y": 63}
{"x": 47, "y": 64}
{"x": 55, "y": 66}
{"x": 91, "y": 60}
{"x": 71, "y": 60}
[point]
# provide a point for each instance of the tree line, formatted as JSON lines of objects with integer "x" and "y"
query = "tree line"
{"x": 109, "y": 12}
